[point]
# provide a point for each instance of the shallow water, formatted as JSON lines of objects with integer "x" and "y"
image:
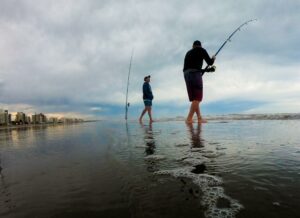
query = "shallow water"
{"x": 241, "y": 168}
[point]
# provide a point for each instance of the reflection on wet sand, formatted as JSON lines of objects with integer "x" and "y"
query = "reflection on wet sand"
{"x": 149, "y": 138}
{"x": 149, "y": 147}
{"x": 195, "y": 135}
{"x": 16, "y": 137}
{"x": 7, "y": 203}
{"x": 90, "y": 170}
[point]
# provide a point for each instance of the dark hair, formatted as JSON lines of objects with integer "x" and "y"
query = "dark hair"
{"x": 197, "y": 43}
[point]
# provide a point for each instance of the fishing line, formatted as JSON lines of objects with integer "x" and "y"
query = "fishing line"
{"x": 209, "y": 68}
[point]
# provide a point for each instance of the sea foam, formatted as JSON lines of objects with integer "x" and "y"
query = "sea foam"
{"x": 211, "y": 189}
{"x": 155, "y": 157}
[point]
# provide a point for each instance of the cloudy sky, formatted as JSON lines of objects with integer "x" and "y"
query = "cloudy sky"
{"x": 72, "y": 57}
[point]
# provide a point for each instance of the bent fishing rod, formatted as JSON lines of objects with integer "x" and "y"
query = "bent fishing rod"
{"x": 209, "y": 68}
{"x": 127, "y": 103}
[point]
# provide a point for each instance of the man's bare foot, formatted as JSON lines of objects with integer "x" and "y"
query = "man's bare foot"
{"x": 201, "y": 120}
{"x": 188, "y": 121}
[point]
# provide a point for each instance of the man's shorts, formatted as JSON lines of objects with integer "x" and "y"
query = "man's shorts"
{"x": 194, "y": 85}
{"x": 147, "y": 102}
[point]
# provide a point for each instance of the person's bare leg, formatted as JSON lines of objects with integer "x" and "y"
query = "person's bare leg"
{"x": 200, "y": 118}
{"x": 189, "y": 118}
{"x": 150, "y": 113}
{"x": 197, "y": 110}
{"x": 142, "y": 114}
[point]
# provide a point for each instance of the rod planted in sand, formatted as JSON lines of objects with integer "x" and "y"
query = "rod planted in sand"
{"x": 127, "y": 103}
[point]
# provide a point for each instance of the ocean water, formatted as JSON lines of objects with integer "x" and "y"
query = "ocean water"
{"x": 225, "y": 168}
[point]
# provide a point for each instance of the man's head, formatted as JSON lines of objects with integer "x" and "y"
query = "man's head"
{"x": 197, "y": 43}
{"x": 147, "y": 78}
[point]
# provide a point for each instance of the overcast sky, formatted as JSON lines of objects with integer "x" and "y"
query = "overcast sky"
{"x": 71, "y": 57}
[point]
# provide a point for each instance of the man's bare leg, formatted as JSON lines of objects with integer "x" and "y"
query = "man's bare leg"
{"x": 150, "y": 113}
{"x": 143, "y": 113}
{"x": 189, "y": 118}
{"x": 200, "y": 119}
{"x": 193, "y": 107}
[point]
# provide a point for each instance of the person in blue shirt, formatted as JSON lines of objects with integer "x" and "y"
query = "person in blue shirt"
{"x": 147, "y": 97}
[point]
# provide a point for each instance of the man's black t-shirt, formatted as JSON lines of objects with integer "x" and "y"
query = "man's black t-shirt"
{"x": 194, "y": 59}
{"x": 147, "y": 91}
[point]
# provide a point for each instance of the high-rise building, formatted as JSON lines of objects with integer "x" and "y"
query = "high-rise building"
{"x": 4, "y": 117}
{"x": 39, "y": 118}
{"x": 34, "y": 118}
{"x": 53, "y": 120}
{"x": 20, "y": 117}
{"x": 9, "y": 119}
{"x": 27, "y": 119}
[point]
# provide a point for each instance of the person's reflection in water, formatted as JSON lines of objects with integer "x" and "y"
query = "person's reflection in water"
{"x": 149, "y": 146}
{"x": 149, "y": 138}
{"x": 6, "y": 194}
{"x": 195, "y": 135}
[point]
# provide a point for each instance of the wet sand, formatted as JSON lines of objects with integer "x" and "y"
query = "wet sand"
{"x": 240, "y": 168}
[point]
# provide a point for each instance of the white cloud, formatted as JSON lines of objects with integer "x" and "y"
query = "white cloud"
{"x": 96, "y": 109}
{"x": 282, "y": 106}
{"x": 55, "y": 55}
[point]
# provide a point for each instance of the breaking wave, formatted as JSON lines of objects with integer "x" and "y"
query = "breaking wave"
{"x": 277, "y": 116}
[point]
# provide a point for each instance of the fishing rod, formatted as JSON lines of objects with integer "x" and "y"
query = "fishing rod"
{"x": 209, "y": 68}
{"x": 127, "y": 103}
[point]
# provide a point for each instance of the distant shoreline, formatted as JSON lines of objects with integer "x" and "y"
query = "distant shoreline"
{"x": 39, "y": 125}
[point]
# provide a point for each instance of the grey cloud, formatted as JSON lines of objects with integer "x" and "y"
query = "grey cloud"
{"x": 66, "y": 53}
{"x": 1, "y": 88}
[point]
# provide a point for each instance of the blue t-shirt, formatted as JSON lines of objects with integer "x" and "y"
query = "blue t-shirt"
{"x": 147, "y": 92}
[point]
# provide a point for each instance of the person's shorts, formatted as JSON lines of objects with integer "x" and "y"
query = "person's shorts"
{"x": 194, "y": 85}
{"x": 147, "y": 102}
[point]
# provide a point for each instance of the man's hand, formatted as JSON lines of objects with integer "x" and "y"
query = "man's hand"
{"x": 214, "y": 57}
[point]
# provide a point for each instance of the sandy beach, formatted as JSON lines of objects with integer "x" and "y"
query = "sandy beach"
{"x": 238, "y": 168}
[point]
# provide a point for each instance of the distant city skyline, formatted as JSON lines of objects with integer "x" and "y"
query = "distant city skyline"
{"x": 71, "y": 58}
{"x": 7, "y": 119}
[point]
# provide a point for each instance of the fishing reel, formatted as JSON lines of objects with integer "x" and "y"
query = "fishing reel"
{"x": 210, "y": 69}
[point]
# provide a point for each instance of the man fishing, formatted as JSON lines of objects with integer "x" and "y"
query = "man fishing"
{"x": 147, "y": 97}
{"x": 193, "y": 78}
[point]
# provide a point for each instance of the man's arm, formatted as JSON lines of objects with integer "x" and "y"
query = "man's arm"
{"x": 207, "y": 59}
{"x": 147, "y": 91}
{"x": 150, "y": 92}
